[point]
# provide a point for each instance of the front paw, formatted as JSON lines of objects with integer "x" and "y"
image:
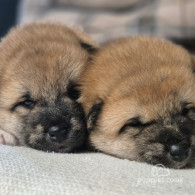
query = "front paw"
{"x": 8, "y": 139}
{"x": 2, "y": 140}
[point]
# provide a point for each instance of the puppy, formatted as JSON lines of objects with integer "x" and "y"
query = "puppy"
{"x": 139, "y": 94}
{"x": 40, "y": 68}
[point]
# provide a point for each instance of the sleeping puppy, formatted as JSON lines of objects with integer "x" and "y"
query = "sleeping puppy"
{"x": 139, "y": 94}
{"x": 40, "y": 67}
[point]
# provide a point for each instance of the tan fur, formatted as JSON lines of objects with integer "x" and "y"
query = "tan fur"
{"x": 140, "y": 77}
{"x": 42, "y": 58}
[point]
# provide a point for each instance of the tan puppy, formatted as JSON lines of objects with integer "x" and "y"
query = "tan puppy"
{"x": 139, "y": 95}
{"x": 40, "y": 67}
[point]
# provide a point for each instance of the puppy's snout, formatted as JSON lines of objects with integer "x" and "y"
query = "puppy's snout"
{"x": 179, "y": 152}
{"x": 57, "y": 134}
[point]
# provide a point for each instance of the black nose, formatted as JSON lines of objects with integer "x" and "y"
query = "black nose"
{"x": 57, "y": 134}
{"x": 179, "y": 152}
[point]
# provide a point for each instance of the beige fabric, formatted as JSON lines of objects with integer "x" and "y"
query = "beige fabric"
{"x": 26, "y": 171}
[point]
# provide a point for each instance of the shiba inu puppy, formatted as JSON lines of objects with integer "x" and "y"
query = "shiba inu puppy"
{"x": 139, "y": 94}
{"x": 40, "y": 67}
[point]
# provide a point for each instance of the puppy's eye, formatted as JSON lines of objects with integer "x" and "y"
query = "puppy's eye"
{"x": 185, "y": 111}
{"x": 135, "y": 123}
{"x": 189, "y": 112}
{"x": 26, "y": 102}
{"x": 73, "y": 92}
{"x": 29, "y": 104}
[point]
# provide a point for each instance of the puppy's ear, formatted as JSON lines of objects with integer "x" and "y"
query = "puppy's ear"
{"x": 85, "y": 40}
{"x": 93, "y": 115}
{"x": 89, "y": 48}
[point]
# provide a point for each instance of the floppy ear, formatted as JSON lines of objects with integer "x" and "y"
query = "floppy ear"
{"x": 93, "y": 115}
{"x": 85, "y": 40}
{"x": 89, "y": 48}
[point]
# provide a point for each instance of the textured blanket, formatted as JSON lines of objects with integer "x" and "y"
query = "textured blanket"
{"x": 27, "y": 171}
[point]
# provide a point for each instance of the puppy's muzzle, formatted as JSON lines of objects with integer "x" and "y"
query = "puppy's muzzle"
{"x": 57, "y": 133}
{"x": 178, "y": 146}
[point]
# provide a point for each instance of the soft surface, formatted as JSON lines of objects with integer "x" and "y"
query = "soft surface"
{"x": 27, "y": 171}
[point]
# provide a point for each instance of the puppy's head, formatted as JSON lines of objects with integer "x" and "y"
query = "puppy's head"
{"x": 40, "y": 67}
{"x": 143, "y": 107}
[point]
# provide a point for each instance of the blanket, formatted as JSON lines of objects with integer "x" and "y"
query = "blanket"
{"x": 27, "y": 171}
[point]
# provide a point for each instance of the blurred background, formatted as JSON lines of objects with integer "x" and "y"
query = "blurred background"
{"x": 108, "y": 19}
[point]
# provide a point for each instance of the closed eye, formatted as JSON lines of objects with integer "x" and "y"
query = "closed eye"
{"x": 73, "y": 92}
{"x": 27, "y": 103}
{"x": 136, "y": 123}
{"x": 188, "y": 111}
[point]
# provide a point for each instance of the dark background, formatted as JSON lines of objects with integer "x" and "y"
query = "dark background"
{"x": 8, "y": 13}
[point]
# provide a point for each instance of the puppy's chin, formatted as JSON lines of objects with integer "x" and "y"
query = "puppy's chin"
{"x": 66, "y": 146}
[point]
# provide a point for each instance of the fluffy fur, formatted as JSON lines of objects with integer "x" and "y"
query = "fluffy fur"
{"x": 40, "y": 68}
{"x": 139, "y": 94}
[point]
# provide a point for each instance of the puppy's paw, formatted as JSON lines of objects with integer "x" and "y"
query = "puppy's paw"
{"x": 2, "y": 140}
{"x": 8, "y": 139}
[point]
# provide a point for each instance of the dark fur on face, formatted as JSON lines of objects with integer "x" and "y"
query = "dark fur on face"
{"x": 64, "y": 113}
{"x": 143, "y": 105}
{"x": 40, "y": 68}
